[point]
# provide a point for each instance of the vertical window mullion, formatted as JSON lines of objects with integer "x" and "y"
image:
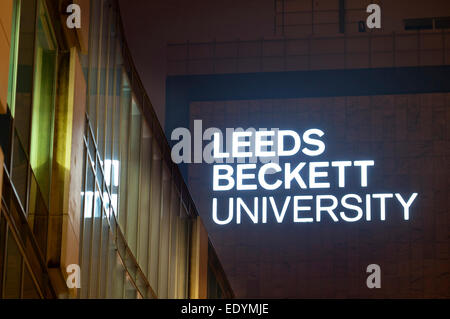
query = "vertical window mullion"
{"x": 99, "y": 70}
{"x": 127, "y": 168}
{"x": 91, "y": 222}
{"x": 149, "y": 232}
{"x": 161, "y": 211}
{"x": 103, "y": 270}
{"x": 105, "y": 118}
{"x": 113, "y": 100}
{"x": 171, "y": 276}
{"x": 83, "y": 189}
{"x": 138, "y": 229}
{"x": 155, "y": 213}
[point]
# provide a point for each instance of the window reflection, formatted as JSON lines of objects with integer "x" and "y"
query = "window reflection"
{"x": 114, "y": 164}
{"x": 13, "y": 267}
{"x": 88, "y": 199}
{"x": 25, "y": 61}
{"x": 112, "y": 168}
{"x": 129, "y": 177}
{"x": 43, "y": 103}
{"x": 20, "y": 170}
{"x": 95, "y": 244}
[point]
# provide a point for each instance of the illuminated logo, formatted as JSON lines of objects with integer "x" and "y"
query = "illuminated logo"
{"x": 305, "y": 206}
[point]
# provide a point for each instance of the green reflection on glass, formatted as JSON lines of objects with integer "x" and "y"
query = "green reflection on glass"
{"x": 43, "y": 104}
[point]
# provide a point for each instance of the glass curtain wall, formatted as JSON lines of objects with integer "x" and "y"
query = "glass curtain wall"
{"x": 135, "y": 227}
{"x": 27, "y": 139}
{"x": 43, "y": 104}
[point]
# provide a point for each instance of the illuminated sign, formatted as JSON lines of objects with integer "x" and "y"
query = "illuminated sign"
{"x": 304, "y": 206}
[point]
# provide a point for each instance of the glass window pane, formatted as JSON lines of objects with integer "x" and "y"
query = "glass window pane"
{"x": 155, "y": 214}
{"x": 38, "y": 216}
{"x": 164, "y": 235}
{"x": 87, "y": 231}
{"x": 83, "y": 186}
{"x": 14, "y": 49}
{"x": 103, "y": 267}
{"x": 124, "y": 134}
{"x": 96, "y": 242}
{"x": 119, "y": 277}
{"x": 20, "y": 170}
{"x": 91, "y": 144}
{"x": 43, "y": 104}
{"x": 29, "y": 290}
{"x": 94, "y": 35}
{"x": 108, "y": 163}
{"x": 132, "y": 187}
{"x": 144, "y": 198}
{"x": 183, "y": 254}
{"x": 174, "y": 233}
{"x": 212, "y": 285}
{"x": 99, "y": 173}
{"x": 115, "y": 164}
{"x": 130, "y": 290}
{"x": 5, "y": 136}
{"x": 111, "y": 267}
{"x": 110, "y": 98}
{"x": 103, "y": 75}
{"x": 25, "y": 71}
{"x": 13, "y": 269}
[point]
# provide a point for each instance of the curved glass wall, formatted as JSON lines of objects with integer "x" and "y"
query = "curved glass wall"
{"x": 130, "y": 199}
{"x": 133, "y": 217}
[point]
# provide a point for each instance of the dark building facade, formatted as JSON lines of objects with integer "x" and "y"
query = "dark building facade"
{"x": 380, "y": 94}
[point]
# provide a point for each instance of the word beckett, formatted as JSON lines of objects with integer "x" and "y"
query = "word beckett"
{"x": 299, "y": 178}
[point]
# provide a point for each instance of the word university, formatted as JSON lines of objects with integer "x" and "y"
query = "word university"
{"x": 298, "y": 181}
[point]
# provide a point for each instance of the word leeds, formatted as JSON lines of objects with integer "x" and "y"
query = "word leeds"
{"x": 297, "y": 181}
